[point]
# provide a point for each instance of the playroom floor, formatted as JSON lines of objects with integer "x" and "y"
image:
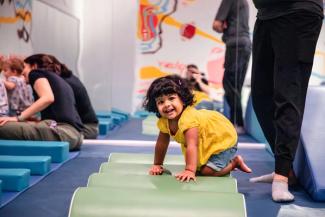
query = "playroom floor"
{"x": 51, "y": 197}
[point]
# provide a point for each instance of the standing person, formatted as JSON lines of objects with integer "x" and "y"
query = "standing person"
{"x": 208, "y": 139}
{"x": 232, "y": 21}
{"x": 55, "y": 101}
{"x": 83, "y": 103}
{"x": 19, "y": 95}
{"x": 284, "y": 42}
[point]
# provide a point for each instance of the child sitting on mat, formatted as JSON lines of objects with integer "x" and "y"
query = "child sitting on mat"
{"x": 208, "y": 139}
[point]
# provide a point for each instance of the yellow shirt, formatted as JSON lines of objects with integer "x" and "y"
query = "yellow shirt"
{"x": 216, "y": 132}
{"x": 199, "y": 96}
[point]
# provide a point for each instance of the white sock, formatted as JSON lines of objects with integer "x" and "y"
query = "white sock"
{"x": 280, "y": 192}
{"x": 268, "y": 178}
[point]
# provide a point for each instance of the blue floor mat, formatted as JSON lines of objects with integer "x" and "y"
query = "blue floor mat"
{"x": 51, "y": 197}
{"x": 9, "y": 196}
{"x": 258, "y": 195}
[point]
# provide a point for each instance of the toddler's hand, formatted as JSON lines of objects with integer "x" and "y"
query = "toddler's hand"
{"x": 156, "y": 170}
{"x": 186, "y": 175}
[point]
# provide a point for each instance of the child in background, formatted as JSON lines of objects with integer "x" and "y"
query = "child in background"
{"x": 208, "y": 139}
{"x": 4, "y": 108}
{"x": 19, "y": 95}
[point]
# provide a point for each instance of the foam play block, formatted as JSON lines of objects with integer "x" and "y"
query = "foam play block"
{"x": 252, "y": 125}
{"x": 100, "y": 202}
{"x": 309, "y": 160}
{"x": 162, "y": 183}
{"x": 59, "y": 151}
{"x": 0, "y": 189}
{"x": 136, "y": 169}
{"x": 14, "y": 179}
{"x": 120, "y": 112}
{"x": 103, "y": 114}
{"x": 144, "y": 158}
{"x": 38, "y": 165}
{"x": 105, "y": 125}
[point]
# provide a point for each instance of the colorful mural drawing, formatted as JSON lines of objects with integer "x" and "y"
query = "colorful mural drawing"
{"x": 172, "y": 34}
{"x": 20, "y": 13}
{"x": 151, "y": 15}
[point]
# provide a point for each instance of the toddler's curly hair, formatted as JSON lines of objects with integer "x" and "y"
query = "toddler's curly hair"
{"x": 170, "y": 84}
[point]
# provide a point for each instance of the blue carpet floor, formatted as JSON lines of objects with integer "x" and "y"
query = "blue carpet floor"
{"x": 51, "y": 197}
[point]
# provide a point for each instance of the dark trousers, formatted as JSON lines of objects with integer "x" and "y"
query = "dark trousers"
{"x": 236, "y": 63}
{"x": 283, "y": 52}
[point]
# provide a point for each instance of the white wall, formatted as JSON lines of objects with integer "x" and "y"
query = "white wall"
{"x": 108, "y": 52}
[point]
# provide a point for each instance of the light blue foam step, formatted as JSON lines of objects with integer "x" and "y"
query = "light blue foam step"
{"x": 14, "y": 179}
{"x": 121, "y": 113}
{"x": 59, "y": 151}
{"x": 103, "y": 114}
{"x": 0, "y": 190}
{"x": 105, "y": 125}
{"x": 309, "y": 161}
{"x": 38, "y": 165}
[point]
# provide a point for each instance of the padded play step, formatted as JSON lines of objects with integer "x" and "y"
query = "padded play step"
{"x": 59, "y": 151}
{"x": 144, "y": 158}
{"x": 163, "y": 183}
{"x": 105, "y": 125}
{"x": 136, "y": 169}
{"x": 100, "y": 202}
{"x": 38, "y": 165}
{"x": 125, "y": 115}
{"x": 14, "y": 179}
{"x": 0, "y": 190}
{"x": 309, "y": 161}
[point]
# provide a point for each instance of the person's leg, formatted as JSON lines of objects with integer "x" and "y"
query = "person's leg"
{"x": 242, "y": 56}
{"x": 230, "y": 85}
{"x": 236, "y": 163}
{"x": 28, "y": 131}
{"x": 262, "y": 79}
{"x": 68, "y": 133}
{"x": 223, "y": 163}
{"x": 90, "y": 131}
{"x": 294, "y": 51}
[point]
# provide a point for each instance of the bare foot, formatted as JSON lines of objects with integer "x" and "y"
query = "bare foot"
{"x": 238, "y": 162}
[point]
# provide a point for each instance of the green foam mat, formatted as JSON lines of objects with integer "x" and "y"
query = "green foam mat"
{"x": 164, "y": 183}
{"x": 136, "y": 169}
{"x": 144, "y": 158}
{"x": 99, "y": 202}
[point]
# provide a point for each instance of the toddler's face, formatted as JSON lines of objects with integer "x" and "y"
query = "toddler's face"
{"x": 7, "y": 72}
{"x": 170, "y": 106}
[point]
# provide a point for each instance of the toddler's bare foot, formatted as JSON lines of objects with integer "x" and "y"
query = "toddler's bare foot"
{"x": 238, "y": 162}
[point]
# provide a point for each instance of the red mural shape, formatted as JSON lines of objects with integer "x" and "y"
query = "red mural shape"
{"x": 188, "y": 31}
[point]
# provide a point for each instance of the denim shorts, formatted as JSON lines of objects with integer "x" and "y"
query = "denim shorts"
{"x": 221, "y": 160}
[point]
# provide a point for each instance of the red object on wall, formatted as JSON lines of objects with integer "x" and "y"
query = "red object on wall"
{"x": 187, "y": 30}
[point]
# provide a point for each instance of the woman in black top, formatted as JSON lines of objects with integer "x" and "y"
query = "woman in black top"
{"x": 83, "y": 104}
{"x": 54, "y": 99}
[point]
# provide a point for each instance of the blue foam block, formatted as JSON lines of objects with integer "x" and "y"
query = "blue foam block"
{"x": 59, "y": 151}
{"x": 14, "y": 179}
{"x": 38, "y": 165}
{"x": 121, "y": 113}
{"x": 103, "y": 114}
{"x": 309, "y": 160}
{"x": 105, "y": 125}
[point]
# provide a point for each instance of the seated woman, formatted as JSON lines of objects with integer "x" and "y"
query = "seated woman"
{"x": 201, "y": 90}
{"x": 55, "y": 101}
{"x": 83, "y": 104}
